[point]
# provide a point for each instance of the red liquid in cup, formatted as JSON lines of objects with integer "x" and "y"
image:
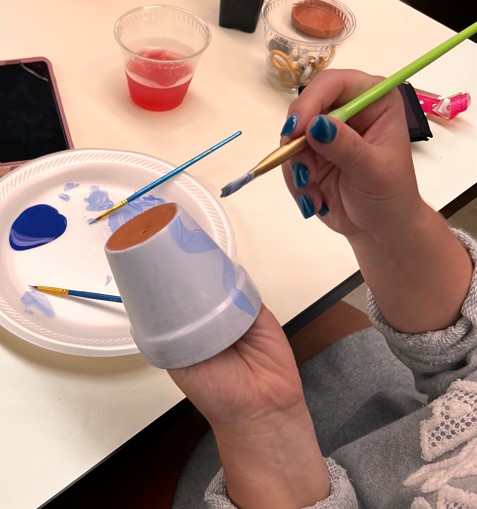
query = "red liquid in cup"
{"x": 152, "y": 84}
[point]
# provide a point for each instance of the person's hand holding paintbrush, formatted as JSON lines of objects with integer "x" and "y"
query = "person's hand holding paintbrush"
{"x": 343, "y": 174}
{"x": 358, "y": 177}
{"x": 347, "y": 110}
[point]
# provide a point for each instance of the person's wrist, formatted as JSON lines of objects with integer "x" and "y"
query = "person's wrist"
{"x": 393, "y": 228}
{"x": 278, "y": 451}
{"x": 262, "y": 422}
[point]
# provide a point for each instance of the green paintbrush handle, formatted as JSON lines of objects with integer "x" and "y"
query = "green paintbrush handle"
{"x": 353, "y": 107}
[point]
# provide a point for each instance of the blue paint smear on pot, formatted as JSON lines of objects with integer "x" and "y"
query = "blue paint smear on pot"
{"x": 127, "y": 212}
{"x": 238, "y": 297}
{"x": 38, "y": 301}
{"x": 98, "y": 200}
{"x": 190, "y": 241}
{"x": 64, "y": 197}
{"x": 197, "y": 241}
{"x": 36, "y": 226}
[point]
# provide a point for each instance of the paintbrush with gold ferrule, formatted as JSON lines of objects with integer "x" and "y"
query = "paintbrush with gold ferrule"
{"x": 345, "y": 112}
{"x": 77, "y": 293}
{"x": 165, "y": 177}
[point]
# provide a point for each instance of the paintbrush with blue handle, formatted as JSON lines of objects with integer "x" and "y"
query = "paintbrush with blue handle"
{"x": 165, "y": 177}
{"x": 77, "y": 293}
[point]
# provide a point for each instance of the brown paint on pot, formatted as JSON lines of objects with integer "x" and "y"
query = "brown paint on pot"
{"x": 142, "y": 227}
{"x": 317, "y": 20}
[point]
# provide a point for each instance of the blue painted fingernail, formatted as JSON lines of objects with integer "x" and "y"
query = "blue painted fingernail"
{"x": 300, "y": 175}
{"x": 323, "y": 130}
{"x": 324, "y": 210}
{"x": 290, "y": 125}
{"x": 306, "y": 205}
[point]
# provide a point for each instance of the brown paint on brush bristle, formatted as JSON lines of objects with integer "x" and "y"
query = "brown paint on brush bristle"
{"x": 142, "y": 227}
{"x": 317, "y": 20}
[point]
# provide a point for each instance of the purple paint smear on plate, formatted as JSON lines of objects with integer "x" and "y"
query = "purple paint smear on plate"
{"x": 98, "y": 200}
{"x": 38, "y": 301}
{"x": 67, "y": 187}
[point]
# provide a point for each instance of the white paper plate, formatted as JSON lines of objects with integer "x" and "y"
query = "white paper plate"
{"x": 76, "y": 260}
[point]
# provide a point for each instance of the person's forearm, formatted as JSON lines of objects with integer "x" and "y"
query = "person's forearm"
{"x": 419, "y": 273}
{"x": 274, "y": 464}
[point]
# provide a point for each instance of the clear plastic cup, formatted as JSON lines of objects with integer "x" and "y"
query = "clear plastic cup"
{"x": 294, "y": 56}
{"x": 161, "y": 47}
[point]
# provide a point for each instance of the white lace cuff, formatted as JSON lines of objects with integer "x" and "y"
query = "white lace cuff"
{"x": 342, "y": 495}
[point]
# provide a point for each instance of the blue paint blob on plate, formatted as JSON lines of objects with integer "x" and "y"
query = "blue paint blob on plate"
{"x": 36, "y": 226}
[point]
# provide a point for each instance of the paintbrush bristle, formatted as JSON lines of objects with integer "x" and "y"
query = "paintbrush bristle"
{"x": 235, "y": 185}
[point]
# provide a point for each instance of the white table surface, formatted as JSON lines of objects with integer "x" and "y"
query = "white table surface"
{"x": 62, "y": 414}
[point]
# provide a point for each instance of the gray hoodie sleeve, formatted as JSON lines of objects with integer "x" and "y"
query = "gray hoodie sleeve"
{"x": 437, "y": 358}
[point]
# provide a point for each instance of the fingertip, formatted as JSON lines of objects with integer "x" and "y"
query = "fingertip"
{"x": 323, "y": 129}
{"x": 300, "y": 174}
{"x": 290, "y": 125}
{"x": 306, "y": 205}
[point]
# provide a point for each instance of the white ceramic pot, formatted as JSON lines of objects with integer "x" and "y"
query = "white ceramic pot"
{"x": 185, "y": 298}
